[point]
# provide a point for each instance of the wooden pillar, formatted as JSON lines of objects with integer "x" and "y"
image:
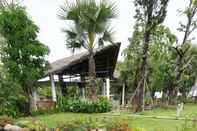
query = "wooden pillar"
{"x": 123, "y": 94}
{"x": 62, "y": 85}
{"x": 53, "y": 90}
{"x": 108, "y": 88}
{"x": 104, "y": 88}
{"x": 82, "y": 87}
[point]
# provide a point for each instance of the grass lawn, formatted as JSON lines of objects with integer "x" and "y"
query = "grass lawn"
{"x": 189, "y": 111}
{"x": 144, "y": 120}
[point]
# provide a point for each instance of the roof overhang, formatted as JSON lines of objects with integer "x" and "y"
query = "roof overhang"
{"x": 105, "y": 61}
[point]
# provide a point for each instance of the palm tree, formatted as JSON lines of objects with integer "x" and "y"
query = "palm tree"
{"x": 89, "y": 30}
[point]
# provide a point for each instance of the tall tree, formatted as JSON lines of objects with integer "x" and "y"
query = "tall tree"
{"x": 132, "y": 56}
{"x": 183, "y": 48}
{"x": 151, "y": 13}
{"x": 23, "y": 55}
{"x": 159, "y": 58}
{"x": 90, "y": 29}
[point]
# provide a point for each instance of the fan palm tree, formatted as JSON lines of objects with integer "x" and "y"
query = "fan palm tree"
{"x": 90, "y": 29}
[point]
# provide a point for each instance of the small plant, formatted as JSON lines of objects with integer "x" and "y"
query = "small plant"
{"x": 148, "y": 101}
{"x": 32, "y": 124}
{"x": 94, "y": 124}
{"x": 85, "y": 106}
{"x": 76, "y": 125}
{"x": 122, "y": 126}
{"x": 45, "y": 111}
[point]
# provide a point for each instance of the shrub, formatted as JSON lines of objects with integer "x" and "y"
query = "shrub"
{"x": 32, "y": 124}
{"x": 45, "y": 111}
{"x": 72, "y": 126}
{"x": 5, "y": 120}
{"x": 85, "y": 106}
{"x": 88, "y": 124}
{"x": 11, "y": 99}
{"x": 93, "y": 124}
{"x": 14, "y": 107}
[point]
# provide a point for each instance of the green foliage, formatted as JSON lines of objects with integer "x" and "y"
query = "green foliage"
{"x": 82, "y": 124}
{"x": 159, "y": 60}
{"x": 183, "y": 72}
{"x": 22, "y": 54}
{"x": 89, "y": 30}
{"x": 44, "y": 91}
{"x": 32, "y": 124}
{"x": 72, "y": 126}
{"x": 91, "y": 20}
{"x": 151, "y": 13}
{"x": 45, "y": 111}
{"x": 14, "y": 107}
{"x": 85, "y": 106}
{"x": 93, "y": 124}
{"x": 10, "y": 103}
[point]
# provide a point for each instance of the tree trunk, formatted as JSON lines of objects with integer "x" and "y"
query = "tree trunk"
{"x": 92, "y": 76}
{"x": 31, "y": 96}
{"x": 32, "y": 102}
{"x": 174, "y": 89}
{"x": 138, "y": 102}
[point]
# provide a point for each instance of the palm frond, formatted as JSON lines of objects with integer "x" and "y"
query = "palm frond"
{"x": 108, "y": 10}
{"x": 88, "y": 17}
{"x": 69, "y": 11}
{"x": 73, "y": 40}
{"x": 106, "y": 37}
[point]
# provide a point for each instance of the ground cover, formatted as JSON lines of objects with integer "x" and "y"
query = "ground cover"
{"x": 153, "y": 120}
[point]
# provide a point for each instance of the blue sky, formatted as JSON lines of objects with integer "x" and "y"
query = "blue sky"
{"x": 44, "y": 14}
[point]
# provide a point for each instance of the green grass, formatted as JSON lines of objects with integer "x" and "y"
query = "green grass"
{"x": 144, "y": 120}
{"x": 189, "y": 111}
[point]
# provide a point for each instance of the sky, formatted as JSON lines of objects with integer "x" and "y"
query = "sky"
{"x": 44, "y": 14}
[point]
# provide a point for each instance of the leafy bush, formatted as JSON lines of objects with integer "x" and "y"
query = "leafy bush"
{"x": 13, "y": 107}
{"x": 12, "y": 101}
{"x": 85, "y": 106}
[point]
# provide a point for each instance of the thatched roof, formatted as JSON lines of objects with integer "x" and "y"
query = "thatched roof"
{"x": 105, "y": 60}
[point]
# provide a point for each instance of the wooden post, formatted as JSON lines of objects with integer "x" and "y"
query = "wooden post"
{"x": 104, "y": 88}
{"x": 54, "y": 97}
{"x": 82, "y": 88}
{"x": 108, "y": 87}
{"x": 123, "y": 94}
{"x": 62, "y": 85}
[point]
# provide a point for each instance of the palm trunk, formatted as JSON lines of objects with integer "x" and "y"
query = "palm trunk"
{"x": 92, "y": 75}
{"x": 138, "y": 102}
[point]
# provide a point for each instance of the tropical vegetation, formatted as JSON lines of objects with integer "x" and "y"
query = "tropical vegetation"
{"x": 90, "y": 29}
{"x": 156, "y": 60}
